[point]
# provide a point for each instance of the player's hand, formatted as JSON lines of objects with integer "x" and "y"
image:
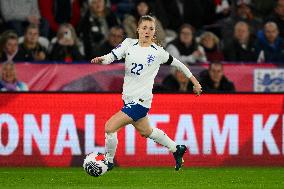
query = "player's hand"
{"x": 197, "y": 89}
{"x": 97, "y": 60}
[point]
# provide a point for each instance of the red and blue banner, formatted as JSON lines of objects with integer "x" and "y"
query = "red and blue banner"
{"x": 58, "y": 129}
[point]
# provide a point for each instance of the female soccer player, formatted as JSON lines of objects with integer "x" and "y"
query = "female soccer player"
{"x": 143, "y": 58}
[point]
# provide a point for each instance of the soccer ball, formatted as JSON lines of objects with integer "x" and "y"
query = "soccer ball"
{"x": 95, "y": 164}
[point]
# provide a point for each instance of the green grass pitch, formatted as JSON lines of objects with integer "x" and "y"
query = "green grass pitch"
{"x": 140, "y": 178}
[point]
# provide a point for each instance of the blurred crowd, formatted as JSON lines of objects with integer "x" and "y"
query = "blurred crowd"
{"x": 193, "y": 31}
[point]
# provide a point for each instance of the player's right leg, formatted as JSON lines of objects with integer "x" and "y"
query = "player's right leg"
{"x": 116, "y": 122}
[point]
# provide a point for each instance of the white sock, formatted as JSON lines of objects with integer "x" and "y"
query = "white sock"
{"x": 161, "y": 138}
{"x": 110, "y": 145}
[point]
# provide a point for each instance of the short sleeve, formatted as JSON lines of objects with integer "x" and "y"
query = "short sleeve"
{"x": 165, "y": 57}
{"x": 119, "y": 51}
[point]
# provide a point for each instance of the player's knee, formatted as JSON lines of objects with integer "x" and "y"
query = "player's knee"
{"x": 108, "y": 128}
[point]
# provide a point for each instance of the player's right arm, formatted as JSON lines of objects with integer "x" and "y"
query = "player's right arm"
{"x": 116, "y": 54}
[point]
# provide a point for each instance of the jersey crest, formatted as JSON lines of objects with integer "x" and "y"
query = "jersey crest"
{"x": 150, "y": 59}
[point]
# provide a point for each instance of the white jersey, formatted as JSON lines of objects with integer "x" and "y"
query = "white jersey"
{"x": 141, "y": 67}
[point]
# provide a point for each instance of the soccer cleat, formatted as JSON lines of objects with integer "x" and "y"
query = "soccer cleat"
{"x": 110, "y": 166}
{"x": 181, "y": 149}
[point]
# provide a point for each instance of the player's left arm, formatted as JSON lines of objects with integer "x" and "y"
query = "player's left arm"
{"x": 180, "y": 66}
{"x": 106, "y": 59}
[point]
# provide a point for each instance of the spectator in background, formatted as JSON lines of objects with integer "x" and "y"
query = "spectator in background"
{"x": 215, "y": 12}
{"x": 185, "y": 48}
{"x": 66, "y": 47}
{"x": 31, "y": 49}
{"x": 130, "y": 21}
{"x": 270, "y": 46}
{"x": 19, "y": 14}
{"x": 95, "y": 25}
{"x": 122, "y": 7}
{"x": 110, "y": 4}
{"x": 9, "y": 81}
{"x": 57, "y": 12}
{"x": 174, "y": 13}
{"x": 243, "y": 13}
{"x": 278, "y": 16}
{"x": 262, "y": 8}
{"x": 222, "y": 9}
{"x": 242, "y": 47}
{"x": 10, "y": 47}
{"x": 115, "y": 37}
{"x": 170, "y": 13}
{"x": 198, "y": 13}
{"x": 3, "y": 26}
{"x": 214, "y": 80}
{"x": 211, "y": 44}
{"x": 176, "y": 82}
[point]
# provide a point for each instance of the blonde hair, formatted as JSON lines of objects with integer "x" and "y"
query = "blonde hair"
{"x": 210, "y": 34}
{"x": 152, "y": 19}
{"x": 72, "y": 30}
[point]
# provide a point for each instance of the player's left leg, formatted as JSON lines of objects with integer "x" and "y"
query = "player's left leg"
{"x": 144, "y": 128}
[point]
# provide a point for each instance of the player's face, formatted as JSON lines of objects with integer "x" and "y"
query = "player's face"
{"x": 146, "y": 31}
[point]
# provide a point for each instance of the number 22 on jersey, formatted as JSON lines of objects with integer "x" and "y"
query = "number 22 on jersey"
{"x": 137, "y": 68}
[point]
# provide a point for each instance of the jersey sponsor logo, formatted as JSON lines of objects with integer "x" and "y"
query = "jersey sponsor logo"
{"x": 150, "y": 59}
